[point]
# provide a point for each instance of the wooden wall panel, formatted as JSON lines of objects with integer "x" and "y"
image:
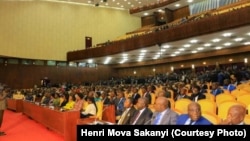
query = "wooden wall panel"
{"x": 21, "y": 76}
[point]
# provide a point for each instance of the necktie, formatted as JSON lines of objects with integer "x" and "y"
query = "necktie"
{"x": 191, "y": 122}
{"x": 157, "y": 119}
{"x": 136, "y": 117}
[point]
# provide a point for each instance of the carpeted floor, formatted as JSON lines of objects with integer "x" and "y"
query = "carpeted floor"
{"x": 18, "y": 127}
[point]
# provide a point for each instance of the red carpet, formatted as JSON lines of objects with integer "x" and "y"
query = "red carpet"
{"x": 18, "y": 126}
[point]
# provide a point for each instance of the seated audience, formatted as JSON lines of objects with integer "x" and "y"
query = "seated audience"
{"x": 228, "y": 86}
{"x": 70, "y": 104}
{"x": 216, "y": 90}
{"x": 64, "y": 99}
{"x": 105, "y": 98}
{"x": 193, "y": 117}
{"x": 56, "y": 100}
{"x": 235, "y": 115}
{"x": 18, "y": 95}
{"x": 128, "y": 113}
{"x": 78, "y": 106}
{"x": 91, "y": 108}
{"x": 163, "y": 114}
{"x": 182, "y": 94}
{"x": 143, "y": 114}
{"x": 197, "y": 95}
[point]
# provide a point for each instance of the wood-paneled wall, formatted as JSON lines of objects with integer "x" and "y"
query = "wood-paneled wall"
{"x": 26, "y": 76}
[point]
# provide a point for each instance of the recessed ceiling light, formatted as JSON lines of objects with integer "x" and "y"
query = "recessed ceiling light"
{"x": 247, "y": 43}
{"x": 194, "y": 41}
{"x": 177, "y": 5}
{"x": 238, "y": 39}
{"x": 107, "y": 60}
{"x": 227, "y": 34}
{"x": 216, "y": 40}
{"x": 181, "y": 49}
{"x": 189, "y": 0}
{"x": 165, "y": 46}
{"x": 207, "y": 45}
{"x": 200, "y": 48}
{"x": 217, "y": 48}
{"x": 227, "y": 44}
{"x": 144, "y": 50}
{"x": 173, "y": 54}
{"x": 194, "y": 51}
{"x": 187, "y": 45}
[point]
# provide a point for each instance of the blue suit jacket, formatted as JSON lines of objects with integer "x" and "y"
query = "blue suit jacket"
{"x": 184, "y": 117}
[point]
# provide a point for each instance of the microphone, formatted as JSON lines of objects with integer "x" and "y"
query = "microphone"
{"x": 98, "y": 122}
{"x": 149, "y": 121}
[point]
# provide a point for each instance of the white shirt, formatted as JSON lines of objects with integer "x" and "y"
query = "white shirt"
{"x": 90, "y": 109}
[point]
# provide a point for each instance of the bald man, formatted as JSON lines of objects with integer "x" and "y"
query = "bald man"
{"x": 163, "y": 115}
{"x": 193, "y": 117}
{"x": 235, "y": 115}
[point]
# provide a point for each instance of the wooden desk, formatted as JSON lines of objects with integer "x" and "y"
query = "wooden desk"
{"x": 109, "y": 113}
{"x": 63, "y": 123}
{"x": 15, "y": 104}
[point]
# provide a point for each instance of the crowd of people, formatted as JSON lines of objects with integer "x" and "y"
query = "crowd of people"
{"x": 133, "y": 101}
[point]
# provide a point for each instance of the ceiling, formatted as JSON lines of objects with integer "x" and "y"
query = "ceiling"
{"x": 209, "y": 42}
{"x": 129, "y": 4}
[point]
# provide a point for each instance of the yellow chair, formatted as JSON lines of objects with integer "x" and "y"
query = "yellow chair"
{"x": 224, "y": 97}
{"x": 172, "y": 102}
{"x": 248, "y": 109}
{"x": 210, "y": 96}
{"x": 85, "y": 104}
{"x": 238, "y": 92}
{"x": 99, "y": 106}
{"x": 247, "y": 119}
{"x": 224, "y": 106}
{"x": 171, "y": 93}
{"x": 98, "y": 115}
{"x": 244, "y": 98}
{"x": 208, "y": 105}
{"x": 212, "y": 117}
{"x": 153, "y": 98}
{"x": 182, "y": 105}
{"x": 177, "y": 111}
{"x": 151, "y": 107}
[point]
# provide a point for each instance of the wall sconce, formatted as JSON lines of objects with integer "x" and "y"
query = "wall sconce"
{"x": 245, "y": 60}
{"x": 192, "y": 66}
{"x": 172, "y": 68}
{"x": 134, "y": 72}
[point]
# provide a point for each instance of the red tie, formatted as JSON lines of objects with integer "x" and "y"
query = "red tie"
{"x": 136, "y": 117}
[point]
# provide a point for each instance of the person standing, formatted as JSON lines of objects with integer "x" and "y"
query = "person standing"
{"x": 3, "y": 106}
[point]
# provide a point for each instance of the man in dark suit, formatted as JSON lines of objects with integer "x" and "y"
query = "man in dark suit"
{"x": 146, "y": 93}
{"x": 128, "y": 112}
{"x": 197, "y": 95}
{"x": 135, "y": 95}
{"x": 163, "y": 115}
{"x": 143, "y": 114}
{"x": 193, "y": 117}
{"x": 105, "y": 98}
{"x": 235, "y": 115}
